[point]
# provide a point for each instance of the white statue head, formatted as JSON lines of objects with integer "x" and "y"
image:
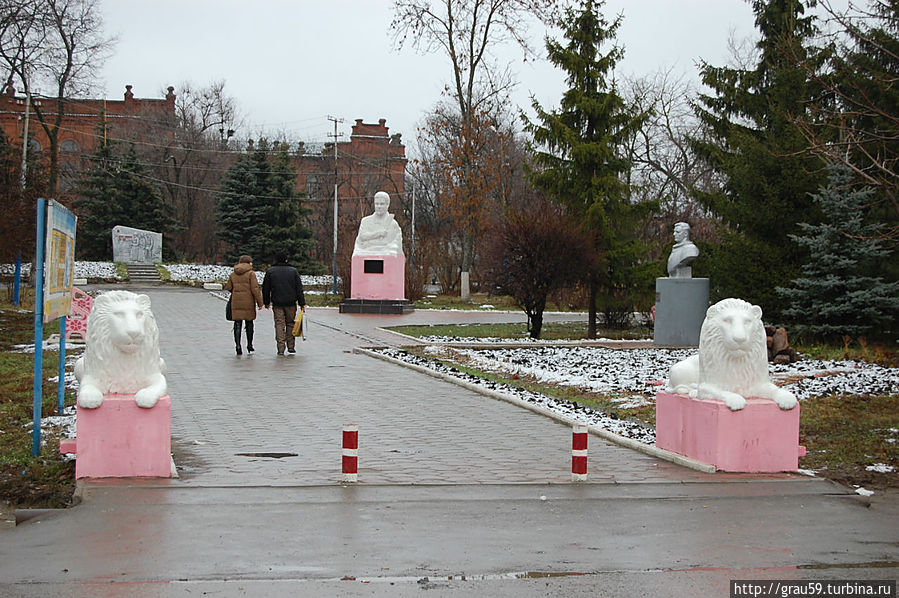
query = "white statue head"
{"x": 382, "y": 203}
{"x": 681, "y": 232}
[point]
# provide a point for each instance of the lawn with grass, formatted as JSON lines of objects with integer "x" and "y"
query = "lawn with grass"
{"x": 45, "y": 480}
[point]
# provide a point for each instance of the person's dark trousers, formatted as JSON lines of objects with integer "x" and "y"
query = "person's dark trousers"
{"x": 284, "y": 317}
{"x": 249, "y": 327}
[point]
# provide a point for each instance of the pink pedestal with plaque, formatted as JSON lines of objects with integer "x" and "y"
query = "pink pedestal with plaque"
{"x": 760, "y": 438}
{"x": 118, "y": 439}
{"x": 378, "y": 277}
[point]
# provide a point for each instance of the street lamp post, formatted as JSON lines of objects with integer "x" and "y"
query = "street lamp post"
{"x": 334, "y": 272}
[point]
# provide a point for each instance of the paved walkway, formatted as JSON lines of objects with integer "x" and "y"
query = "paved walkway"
{"x": 413, "y": 429}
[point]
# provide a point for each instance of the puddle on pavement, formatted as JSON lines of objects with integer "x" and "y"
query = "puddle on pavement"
{"x": 872, "y": 565}
{"x": 486, "y": 577}
{"x": 268, "y": 455}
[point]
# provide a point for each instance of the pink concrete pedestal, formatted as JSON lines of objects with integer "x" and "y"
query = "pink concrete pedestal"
{"x": 118, "y": 439}
{"x": 378, "y": 277}
{"x": 761, "y": 437}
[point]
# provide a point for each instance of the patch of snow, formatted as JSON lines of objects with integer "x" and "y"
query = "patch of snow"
{"x": 49, "y": 344}
{"x": 64, "y": 423}
{"x": 881, "y": 468}
{"x": 105, "y": 270}
{"x": 638, "y": 371}
{"x": 198, "y": 272}
{"x": 592, "y": 369}
{"x": 95, "y": 270}
{"x": 486, "y": 340}
{"x": 864, "y": 492}
{"x": 808, "y": 472}
{"x": 217, "y": 273}
{"x": 10, "y": 269}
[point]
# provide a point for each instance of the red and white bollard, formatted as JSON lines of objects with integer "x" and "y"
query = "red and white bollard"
{"x": 579, "y": 453}
{"x": 351, "y": 453}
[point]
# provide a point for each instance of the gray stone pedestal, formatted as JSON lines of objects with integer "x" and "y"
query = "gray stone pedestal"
{"x": 681, "y": 304}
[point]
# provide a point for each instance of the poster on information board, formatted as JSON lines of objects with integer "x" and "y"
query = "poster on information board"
{"x": 59, "y": 268}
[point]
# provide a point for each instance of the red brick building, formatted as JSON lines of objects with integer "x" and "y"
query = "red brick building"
{"x": 127, "y": 118}
{"x": 371, "y": 160}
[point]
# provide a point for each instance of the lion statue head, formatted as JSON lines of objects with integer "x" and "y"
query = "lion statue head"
{"x": 733, "y": 359}
{"x": 122, "y": 351}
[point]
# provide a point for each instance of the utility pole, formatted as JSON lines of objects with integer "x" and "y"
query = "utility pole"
{"x": 25, "y": 135}
{"x": 335, "y": 136}
{"x": 412, "y": 269}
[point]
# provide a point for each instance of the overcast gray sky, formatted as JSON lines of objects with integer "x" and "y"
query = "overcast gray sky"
{"x": 291, "y": 63}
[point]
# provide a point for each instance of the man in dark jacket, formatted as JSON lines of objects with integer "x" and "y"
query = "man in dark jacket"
{"x": 282, "y": 288}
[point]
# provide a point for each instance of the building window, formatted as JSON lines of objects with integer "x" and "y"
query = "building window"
{"x": 68, "y": 147}
{"x": 34, "y": 146}
{"x": 68, "y": 176}
{"x": 312, "y": 184}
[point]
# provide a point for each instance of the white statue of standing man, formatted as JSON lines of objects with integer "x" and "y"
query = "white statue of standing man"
{"x": 379, "y": 233}
{"x": 683, "y": 253}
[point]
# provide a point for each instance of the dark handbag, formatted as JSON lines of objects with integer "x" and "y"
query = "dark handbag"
{"x": 228, "y": 310}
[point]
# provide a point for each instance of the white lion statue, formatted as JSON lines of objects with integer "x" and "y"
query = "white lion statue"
{"x": 122, "y": 351}
{"x": 733, "y": 359}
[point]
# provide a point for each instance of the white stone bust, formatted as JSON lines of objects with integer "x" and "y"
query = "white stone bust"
{"x": 379, "y": 233}
{"x": 683, "y": 253}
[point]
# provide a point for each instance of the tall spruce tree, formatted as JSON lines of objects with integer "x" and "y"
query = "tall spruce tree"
{"x": 288, "y": 231}
{"x": 259, "y": 212}
{"x": 577, "y": 159}
{"x": 768, "y": 174}
{"x": 116, "y": 190}
{"x": 237, "y": 209}
{"x": 98, "y": 206}
{"x": 838, "y": 294}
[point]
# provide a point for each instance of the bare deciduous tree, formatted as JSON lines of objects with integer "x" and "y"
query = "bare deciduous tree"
{"x": 468, "y": 32}
{"x": 536, "y": 252}
{"x": 56, "y": 45}
{"x": 467, "y": 167}
{"x": 194, "y": 161}
{"x": 664, "y": 168}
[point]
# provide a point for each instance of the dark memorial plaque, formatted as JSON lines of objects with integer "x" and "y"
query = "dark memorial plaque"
{"x": 374, "y": 267}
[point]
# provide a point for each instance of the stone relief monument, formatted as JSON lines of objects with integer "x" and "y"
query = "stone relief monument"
{"x": 720, "y": 406}
{"x": 136, "y": 246}
{"x": 378, "y": 275}
{"x": 121, "y": 352}
{"x": 681, "y": 300}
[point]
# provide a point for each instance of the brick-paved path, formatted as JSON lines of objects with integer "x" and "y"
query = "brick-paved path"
{"x": 413, "y": 428}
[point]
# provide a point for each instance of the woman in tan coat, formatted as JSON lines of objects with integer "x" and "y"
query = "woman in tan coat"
{"x": 246, "y": 297}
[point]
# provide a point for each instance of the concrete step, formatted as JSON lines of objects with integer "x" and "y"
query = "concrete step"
{"x": 143, "y": 273}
